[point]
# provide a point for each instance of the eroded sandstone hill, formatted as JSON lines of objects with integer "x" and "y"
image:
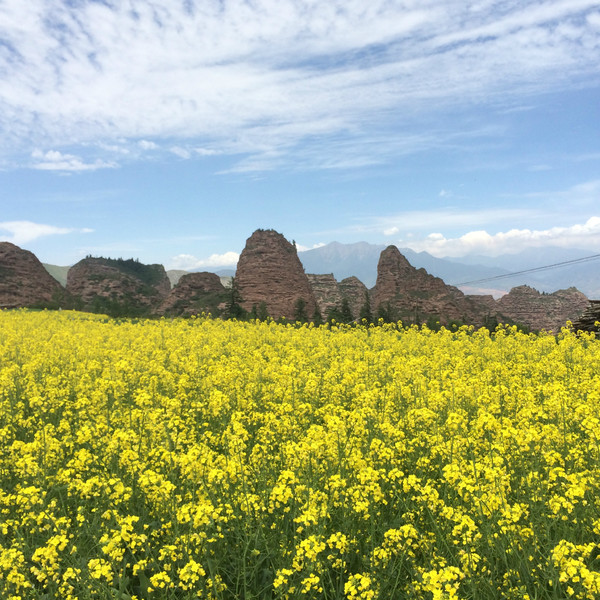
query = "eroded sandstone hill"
{"x": 117, "y": 287}
{"x": 24, "y": 282}
{"x": 330, "y": 293}
{"x": 589, "y": 320}
{"x": 356, "y": 292}
{"x": 194, "y": 294}
{"x": 270, "y": 272}
{"x": 413, "y": 295}
{"x": 539, "y": 311}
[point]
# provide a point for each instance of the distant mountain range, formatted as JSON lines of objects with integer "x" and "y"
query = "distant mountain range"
{"x": 360, "y": 259}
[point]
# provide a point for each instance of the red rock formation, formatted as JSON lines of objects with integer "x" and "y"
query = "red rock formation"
{"x": 527, "y": 306}
{"x": 117, "y": 287}
{"x": 330, "y": 293}
{"x": 270, "y": 271}
{"x": 485, "y": 303}
{"x": 413, "y": 295}
{"x": 24, "y": 281}
{"x": 326, "y": 291}
{"x": 589, "y": 319}
{"x": 194, "y": 294}
{"x": 355, "y": 291}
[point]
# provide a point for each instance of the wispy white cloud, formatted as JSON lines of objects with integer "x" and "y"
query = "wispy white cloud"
{"x": 553, "y": 206}
{"x": 147, "y": 145}
{"x": 585, "y": 235}
{"x": 447, "y": 218}
{"x": 585, "y": 157}
{"x": 181, "y": 152}
{"x": 263, "y": 78}
{"x": 581, "y": 198}
{"x": 23, "y": 232}
{"x": 588, "y": 190}
{"x": 188, "y": 262}
{"x": 206, "y": 151}
{"x": 594, "y": 20}
{"x": 302, "y": 248}
{"x": 115, "y": 149}
{"x": 53, "y": 160}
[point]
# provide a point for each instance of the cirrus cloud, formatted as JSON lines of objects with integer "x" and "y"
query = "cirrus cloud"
{"x": 53, "y": 160}
{"x": 23, "y": 232}
{"x": 267, "y": 77}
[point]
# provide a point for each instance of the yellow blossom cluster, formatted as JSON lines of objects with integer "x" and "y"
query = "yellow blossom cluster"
{"x": 201, "y": 458}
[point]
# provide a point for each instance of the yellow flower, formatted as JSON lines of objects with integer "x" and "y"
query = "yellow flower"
{"x": 100, "y": 569}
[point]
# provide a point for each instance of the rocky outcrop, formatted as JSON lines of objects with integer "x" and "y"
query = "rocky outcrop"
{"x": 589, "y": 320}
{"x": 484, "y": 303}
{"x": 24, "y": 282}
{"x": 527, "y": 306}
{"x": 194, "y": 294}
{"x": 117, "y": 287}
{"x": 414, "y": 296}
{"x": 355, "y": 291}
{"x": 330, "y": 293}
{"x": 326, "y": 291}
{"x": 270, "y": 272}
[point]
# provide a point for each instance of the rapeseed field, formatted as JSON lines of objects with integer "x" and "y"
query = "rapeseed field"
{"x": 218, "y": 459}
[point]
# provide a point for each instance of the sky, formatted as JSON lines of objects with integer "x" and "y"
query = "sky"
{"x": 169, "y": 130}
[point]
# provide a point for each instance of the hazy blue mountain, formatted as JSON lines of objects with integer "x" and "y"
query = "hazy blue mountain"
{"x": 585, "y": 276}
{"x": 360, "y": 259}
{"x": 225, "y": 272}
{"x": 526, "y": 259}
{"x": 344, "y": 260}
{"x": 452, "y": 273}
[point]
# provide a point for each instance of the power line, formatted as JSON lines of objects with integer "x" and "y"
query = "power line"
{"x": 535, "y": 270}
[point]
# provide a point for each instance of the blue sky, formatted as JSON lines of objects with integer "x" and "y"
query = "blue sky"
{"x": 168, "y": 130}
